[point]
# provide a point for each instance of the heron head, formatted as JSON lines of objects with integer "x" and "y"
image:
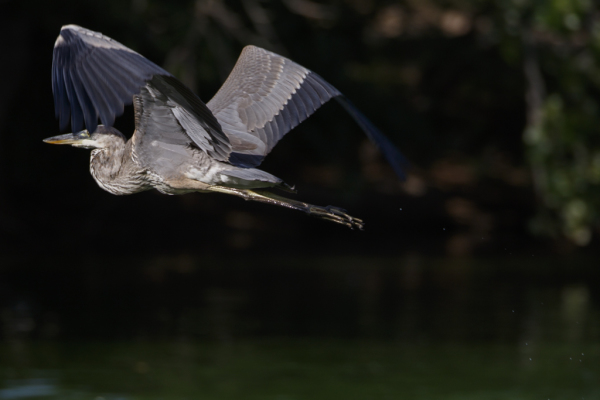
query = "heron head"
{"x": 103, "y": 137}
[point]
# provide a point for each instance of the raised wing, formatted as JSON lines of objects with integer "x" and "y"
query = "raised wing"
{"x": 94, "y": 76}
{"x": 266, "y": 95}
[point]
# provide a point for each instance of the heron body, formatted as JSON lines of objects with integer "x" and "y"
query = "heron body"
{"x": 181, "y": 144}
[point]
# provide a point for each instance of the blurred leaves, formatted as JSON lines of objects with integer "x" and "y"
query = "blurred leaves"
{"x": 495, "y": 88}
{"x": 561, "y": 63}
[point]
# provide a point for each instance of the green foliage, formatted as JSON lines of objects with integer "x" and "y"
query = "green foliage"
{"x": 444, "y": 79}
{"x": 559, "y": 41}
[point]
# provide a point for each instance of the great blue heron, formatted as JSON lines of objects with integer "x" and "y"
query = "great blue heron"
{"x": 180, "y": 144}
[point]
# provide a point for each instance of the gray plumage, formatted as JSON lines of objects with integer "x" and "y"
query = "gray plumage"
{"x": 181, "y": 144}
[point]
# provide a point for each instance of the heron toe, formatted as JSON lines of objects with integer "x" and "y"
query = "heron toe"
{"x": 336, "y": 214}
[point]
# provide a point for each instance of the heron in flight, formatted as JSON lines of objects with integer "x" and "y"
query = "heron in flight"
{"x": 181, "y": 144}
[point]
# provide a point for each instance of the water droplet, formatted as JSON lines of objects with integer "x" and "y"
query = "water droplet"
{"x": 525, "y": 343}
{"x": 570, "y": 358}
{"x": 400, "y": 209}
{"x": 513, "y": 310}
{"x": 529, "y": 358}
{"x": 582, "y": 354}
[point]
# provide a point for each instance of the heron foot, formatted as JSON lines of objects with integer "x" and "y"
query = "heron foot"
{"x": 335, "y": 214}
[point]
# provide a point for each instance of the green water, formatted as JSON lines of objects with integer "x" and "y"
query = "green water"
{"x": 301, "y": 369}
{"x": 409, "y": 328}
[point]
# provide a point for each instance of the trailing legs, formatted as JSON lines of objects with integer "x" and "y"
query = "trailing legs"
{"x": 329, "y": 213}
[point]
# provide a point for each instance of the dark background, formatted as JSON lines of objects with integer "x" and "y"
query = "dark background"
{"x": 445, "y": 81}
{"x": 478, "y": 275}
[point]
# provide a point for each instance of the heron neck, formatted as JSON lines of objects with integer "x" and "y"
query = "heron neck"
{"x": 115, "y": 171}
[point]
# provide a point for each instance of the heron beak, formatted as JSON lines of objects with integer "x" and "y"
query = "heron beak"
{"x": 69, "y": 138}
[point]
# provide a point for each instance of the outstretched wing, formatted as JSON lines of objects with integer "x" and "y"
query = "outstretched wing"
{"x": 94, "y": 77}
{"x": 266, "y": 95}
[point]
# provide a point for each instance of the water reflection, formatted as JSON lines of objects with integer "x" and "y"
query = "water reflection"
{"x": 28, "y": 388}
{"x": 182, "y": 328}
{"x": 310, "y": 369}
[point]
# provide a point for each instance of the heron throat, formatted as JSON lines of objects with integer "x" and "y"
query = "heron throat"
{"x": 115, "y": 170}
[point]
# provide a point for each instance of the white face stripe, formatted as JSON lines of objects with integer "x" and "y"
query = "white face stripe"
{"x": 89, "y": 142}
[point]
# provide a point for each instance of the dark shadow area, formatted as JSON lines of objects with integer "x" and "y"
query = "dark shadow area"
{"x": 476, "y": 278}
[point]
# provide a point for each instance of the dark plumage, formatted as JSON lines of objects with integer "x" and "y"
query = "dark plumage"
{"x": 181, "y": 144}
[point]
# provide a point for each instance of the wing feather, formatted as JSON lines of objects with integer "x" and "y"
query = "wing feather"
{"x": 302, "y": 110}
{"x": 94, "y": 77}
{"x": 279, "y": 126}
{"x": 104, "y": 94}
{"x": 292, "y": 111}
{"x": 266, "y": 96}
{"x": 158, "y": 135}
{"x": 87, "y": 107}
{"x": 62, "y": 111}
{"x": 267, "y": 134}
{"x": 79, "y": 48}
{"x": 76, "y": 111}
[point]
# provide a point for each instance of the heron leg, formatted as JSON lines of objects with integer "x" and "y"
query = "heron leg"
{"x": 329, "y": 213}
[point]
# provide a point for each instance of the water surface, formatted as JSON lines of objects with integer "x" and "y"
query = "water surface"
{"x": 180, "y": 327}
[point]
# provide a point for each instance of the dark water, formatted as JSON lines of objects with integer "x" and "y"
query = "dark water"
{"x": 184, "y": 327}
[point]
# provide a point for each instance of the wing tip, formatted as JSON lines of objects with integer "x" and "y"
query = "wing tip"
{"x": 400, "y": 165}
{"x": 250, "y": 48}
{"x": 394, "y": 157}
{"x": 71, "y": 27}
{"x": 66, "y": 32}
{"x": 71, "y": 30}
